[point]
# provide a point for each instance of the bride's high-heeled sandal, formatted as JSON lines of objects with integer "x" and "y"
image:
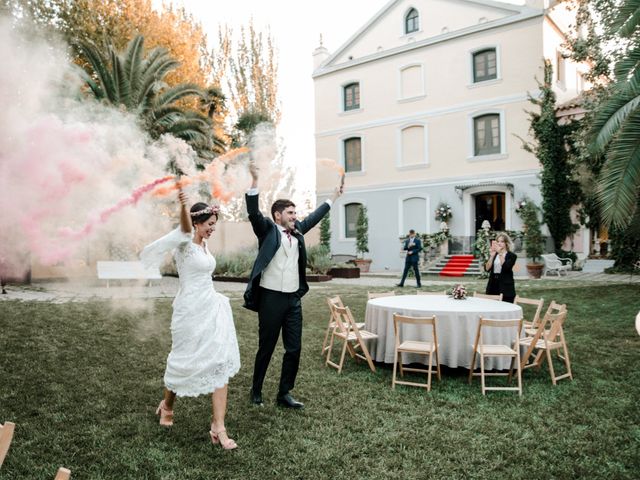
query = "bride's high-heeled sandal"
{"x": 166, "y": 415}
{"x": 228, "y": 444}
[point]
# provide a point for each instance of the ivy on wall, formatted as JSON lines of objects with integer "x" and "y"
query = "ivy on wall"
{"x": 560, "y": 191}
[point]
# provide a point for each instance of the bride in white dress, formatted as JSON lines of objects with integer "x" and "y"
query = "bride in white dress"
{"x": 204, "y": 349}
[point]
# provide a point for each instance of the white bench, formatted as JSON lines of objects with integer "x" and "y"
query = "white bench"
{"x": 126, "y": 271}
{"x": 555, "y": 264}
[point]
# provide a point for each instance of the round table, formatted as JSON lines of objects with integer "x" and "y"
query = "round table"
{"x": 456, "y": 326}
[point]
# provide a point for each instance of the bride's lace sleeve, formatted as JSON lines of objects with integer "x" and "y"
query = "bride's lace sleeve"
{"x": 153, "y": 254}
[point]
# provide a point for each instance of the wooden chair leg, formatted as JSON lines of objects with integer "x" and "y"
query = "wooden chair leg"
{"x": 429, "y": 372}
{"x": 329, "y": 349}
{"x": 344, "y": 351}
{"x": 326, "y": 338}
{"x": 551, "y": 371}
{"x": 395, "y": 366}
{"x": 438, "y": 365}
{"x": 368, "y": 357}
{"x": 482, "y": 374}
{"x": 400, "y": 364}
{"x": 472, "y": 366}
{"x": 63, "y": 474}
{"x": 567, "y": 362}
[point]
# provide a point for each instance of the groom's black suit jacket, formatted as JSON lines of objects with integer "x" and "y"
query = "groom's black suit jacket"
{"x": 269, "y": 239}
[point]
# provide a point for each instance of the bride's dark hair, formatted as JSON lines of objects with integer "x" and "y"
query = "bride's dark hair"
{"x": 207, "y": 212}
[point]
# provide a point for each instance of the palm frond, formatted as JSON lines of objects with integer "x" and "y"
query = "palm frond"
{"x": 628, "y": 18}
{"x": 611, "y": 116}
{"x": 628, "y": 65}
{"x": 133, "y": 61}
{"x": 620, "y": 177}
{"x": 120, "y": 81}
{"x": 99, "y": 65}
{"x": 179, "y": 92}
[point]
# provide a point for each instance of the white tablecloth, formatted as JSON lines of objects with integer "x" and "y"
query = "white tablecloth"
{"x": 456, "y": 326}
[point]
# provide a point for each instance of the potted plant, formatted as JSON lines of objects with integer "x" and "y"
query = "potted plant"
{"x": 362, "y": 240}
{"x": 533, "y": 240}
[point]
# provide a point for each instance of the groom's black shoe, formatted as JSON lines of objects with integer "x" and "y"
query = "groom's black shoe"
{"x": 256, "y": 398}
{"x": 287, "y": 401}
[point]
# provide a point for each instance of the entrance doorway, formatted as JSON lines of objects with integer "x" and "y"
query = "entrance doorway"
{"x": 490, "y": 206}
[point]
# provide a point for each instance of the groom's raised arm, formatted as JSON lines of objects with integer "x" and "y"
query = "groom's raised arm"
{"x": 314, "y": 217}
{"x": 258, "y": 222}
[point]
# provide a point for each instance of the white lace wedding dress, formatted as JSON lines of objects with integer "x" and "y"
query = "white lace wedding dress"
{"x": 204, "y": 351}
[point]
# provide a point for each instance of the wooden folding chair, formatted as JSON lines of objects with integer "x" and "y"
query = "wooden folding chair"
{"x": 6, "y": 435}
{"x": 492, "y": 350}
{"x": 63, "y": 474}
{"x": 372, "y": 295}
{"x": 353, "y": 338}
{"x": 545, "y": 341}
{"x": 420, "y": 292}
{"x": 337, "y": 301}
{"x": 490, "y": 297}
{"x": 530, "y": 326}
{"x": 428, "y": 348}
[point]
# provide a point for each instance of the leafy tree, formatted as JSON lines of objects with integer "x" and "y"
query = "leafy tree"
{"x": 325, "y": 231}
{"x": 134, "y": 82}
{"x": 533, "y": 239}
{"x": 114, "y": 23}
{"x": 559, "y": 189}
{"x": 251, "y": 70}
{"x": 362, "y": 231}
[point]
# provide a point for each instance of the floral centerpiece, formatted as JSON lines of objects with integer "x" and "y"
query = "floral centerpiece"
{"x": 443, "y": 212}
{"x": 459, "y": 292}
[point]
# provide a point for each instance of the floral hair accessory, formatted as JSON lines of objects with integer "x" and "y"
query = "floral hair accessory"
{"x": 210, "y": 210}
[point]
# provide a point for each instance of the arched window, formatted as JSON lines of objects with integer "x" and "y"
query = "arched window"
{"x": 413, "y": 145}
{"x": 485, "y": 65}
{"x": 412, "y": 21}
{"x": 351, "y": 219}
{"x": 351, "y": 94}
{"x": 414, "y": 214}
{"x": 486, "y": 134}
{"x": 353, "y": 155}
{"x": 411, "y": 81}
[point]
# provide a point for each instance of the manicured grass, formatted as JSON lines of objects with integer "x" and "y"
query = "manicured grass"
{"x": 81, "y": 381}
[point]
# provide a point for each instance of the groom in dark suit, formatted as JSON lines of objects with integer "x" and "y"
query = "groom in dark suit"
{"x": 413, "y": 246}
{"x": 276, "y": 286}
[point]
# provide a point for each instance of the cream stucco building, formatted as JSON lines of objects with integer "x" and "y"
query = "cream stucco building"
{"x": 426, "y": 104}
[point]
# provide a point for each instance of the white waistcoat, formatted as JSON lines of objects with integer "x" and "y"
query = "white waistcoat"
{"x": 281, "y": 274}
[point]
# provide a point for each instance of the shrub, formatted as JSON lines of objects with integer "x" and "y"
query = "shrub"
{"x": 237, "y": 264}
{"x": 318, "y": 259}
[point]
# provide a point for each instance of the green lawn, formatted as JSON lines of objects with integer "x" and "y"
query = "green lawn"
{"x": 81, "y": 381}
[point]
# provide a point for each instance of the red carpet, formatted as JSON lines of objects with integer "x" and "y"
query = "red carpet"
{"x": 456, "y": 266}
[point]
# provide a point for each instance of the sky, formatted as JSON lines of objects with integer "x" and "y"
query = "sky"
{"x": 295, "y": 28}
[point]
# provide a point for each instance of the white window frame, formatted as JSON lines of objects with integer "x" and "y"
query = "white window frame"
{"x": 471, "y": 156}
{"x": 498, "y": 78}
{"x": 343, "y": 85}
{"x": 343, "y": 219}
{"x": 399, "y": 152}
{"x": 404, "y": 34}
{"x": 421, "y": 95}
{"x": 341, "y": 155}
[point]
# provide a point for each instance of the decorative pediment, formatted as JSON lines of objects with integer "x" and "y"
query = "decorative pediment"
{"x": 387, "y": 33}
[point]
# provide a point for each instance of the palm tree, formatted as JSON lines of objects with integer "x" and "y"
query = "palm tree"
{"x": 616, "y": 128}
{"x": 134, "y": 82}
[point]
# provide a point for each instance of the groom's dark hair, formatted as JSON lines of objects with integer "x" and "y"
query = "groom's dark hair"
{"x": 279, "y": 205}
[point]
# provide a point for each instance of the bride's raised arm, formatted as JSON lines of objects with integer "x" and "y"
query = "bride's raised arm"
{"x": 185, "y": 217}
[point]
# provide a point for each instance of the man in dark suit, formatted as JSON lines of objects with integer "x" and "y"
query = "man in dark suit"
{"x": 413, "y": 246}
{"x": 276, "y": 286}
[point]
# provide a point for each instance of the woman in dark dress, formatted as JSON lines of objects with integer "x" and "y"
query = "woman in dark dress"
{"x": 500, "y": 268}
